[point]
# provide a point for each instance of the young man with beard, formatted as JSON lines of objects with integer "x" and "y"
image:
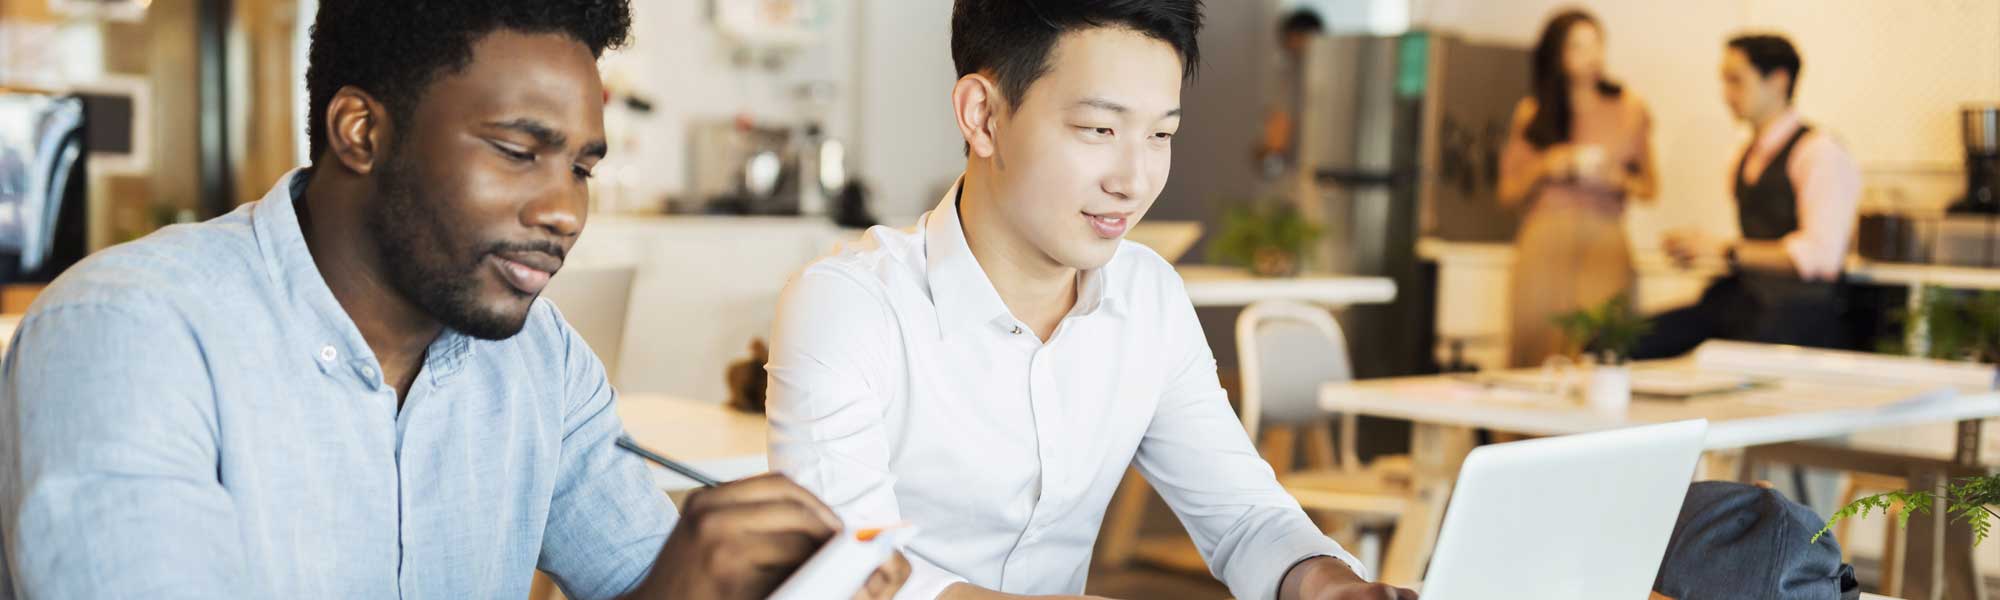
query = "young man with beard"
{"x": 989, "y": 374}
{"x": 348, "y": 389}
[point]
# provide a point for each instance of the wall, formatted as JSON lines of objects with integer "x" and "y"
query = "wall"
{"x": 1886, "y": 77}
{"x": 889, "y": 62}
{"x": 908, "y": 148}
{"x": 689, "y": 71}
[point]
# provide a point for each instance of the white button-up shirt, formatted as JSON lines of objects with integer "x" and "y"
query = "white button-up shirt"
{"x": 903, "y": 389}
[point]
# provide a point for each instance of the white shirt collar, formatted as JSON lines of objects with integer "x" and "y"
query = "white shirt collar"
{"x": 960, "y": 290}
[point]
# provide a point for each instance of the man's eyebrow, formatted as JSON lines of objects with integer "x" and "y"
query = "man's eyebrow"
{"x": 595, "y": 149}
{"x": 543, "y": 134}
{"x": 1103, "y": 104}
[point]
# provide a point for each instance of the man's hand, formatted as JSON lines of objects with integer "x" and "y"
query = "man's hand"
{"x": 1324, "y": 578}
{"x": 1689, "y": 247}
{"x": 886, "y": 580}
{"x": 967, "y": 591}
{"x": 742, "y": 539}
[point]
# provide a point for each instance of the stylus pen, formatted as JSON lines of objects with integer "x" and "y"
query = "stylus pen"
{"x": 626, "y": 442}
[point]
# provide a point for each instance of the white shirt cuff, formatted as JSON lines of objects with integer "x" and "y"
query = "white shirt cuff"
{"x": 1279, "y": 558}
{"x": 927, "y": 580}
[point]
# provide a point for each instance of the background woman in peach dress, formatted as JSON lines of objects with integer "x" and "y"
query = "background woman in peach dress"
{"x": 1578, "y": 149}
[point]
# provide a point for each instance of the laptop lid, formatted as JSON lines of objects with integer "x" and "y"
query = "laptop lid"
{"x": 1581, "y": 516}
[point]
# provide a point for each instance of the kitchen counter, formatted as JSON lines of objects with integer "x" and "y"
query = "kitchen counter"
{"x": 1473, "y": 281}
{"x": 1861, "y": 270}
{"x": 1655, "y": 262}
{"x": 1210, "y": 285}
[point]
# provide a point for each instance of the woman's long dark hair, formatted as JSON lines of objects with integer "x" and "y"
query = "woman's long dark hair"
{"x": 1552, "y": 121}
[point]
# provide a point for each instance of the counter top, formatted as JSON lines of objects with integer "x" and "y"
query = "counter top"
{"x": 1209, "y": 285}
{"x": 1859, "y": 270}
{"x": 1884, "y": 273}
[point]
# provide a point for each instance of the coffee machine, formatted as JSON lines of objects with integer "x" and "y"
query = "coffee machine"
{"x": 1982, "y": 160}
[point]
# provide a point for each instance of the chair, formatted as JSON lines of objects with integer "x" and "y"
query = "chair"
{"x": 1285, "y": 352}
{"x": 594, "y": 300}
{"x": 1891, "y": 579}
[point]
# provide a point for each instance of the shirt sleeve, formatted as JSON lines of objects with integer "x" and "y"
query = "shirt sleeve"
{"x": 607, "y": 520}
{"x": 1199, "y": 458}
{"x": 109, "y": 436}
{"x": 1829, "y": 203}
{"x": 830, "y": 351}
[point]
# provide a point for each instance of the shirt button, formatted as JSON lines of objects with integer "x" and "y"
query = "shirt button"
{"x": 327, "y": 353}
{"x": 1017, "y": 330}
{"x": 368, "y": 372}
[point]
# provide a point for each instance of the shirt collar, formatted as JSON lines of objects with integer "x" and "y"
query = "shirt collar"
{"x": 289, "y": 264}
{"x": 961, "y": 292}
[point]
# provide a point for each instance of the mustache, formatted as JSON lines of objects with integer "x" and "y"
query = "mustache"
{"x": 543, "y": 246}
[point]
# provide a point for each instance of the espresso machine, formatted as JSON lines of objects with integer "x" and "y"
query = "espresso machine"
{"x": 1969, "y": 235}
{"x": 1982, "y": 161}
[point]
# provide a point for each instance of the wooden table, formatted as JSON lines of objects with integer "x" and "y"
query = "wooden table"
{"x": 7, "y": 325}
{"x": 717, "y": 440}
{"x": 1209, "y": 285}
{"x": 1445, "y": 409}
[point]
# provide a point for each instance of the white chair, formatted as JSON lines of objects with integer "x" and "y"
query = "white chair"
{"x": 1286, "y": 351}
{"x": 595, "y": 301}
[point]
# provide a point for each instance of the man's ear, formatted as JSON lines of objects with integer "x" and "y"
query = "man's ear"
{"x": 357, "y": 128}
{"x": 975, "y": 101}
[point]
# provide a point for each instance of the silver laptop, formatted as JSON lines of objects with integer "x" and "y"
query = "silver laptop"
{"x": 1582, "y": 516}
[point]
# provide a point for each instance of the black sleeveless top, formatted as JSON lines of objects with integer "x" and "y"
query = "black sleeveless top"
{"x": 1769, "y": 209}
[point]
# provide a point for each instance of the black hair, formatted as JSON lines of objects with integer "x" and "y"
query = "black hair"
{"x": 1770, "y": 54}
{"x": 1013, "y": 38}
{"x": 394, "y": 49}
{"x": 1303, "y": 20}
{"x": 1552, "y": 122}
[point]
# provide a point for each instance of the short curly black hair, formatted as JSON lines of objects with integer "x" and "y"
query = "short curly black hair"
{"x": 394, "y": 49}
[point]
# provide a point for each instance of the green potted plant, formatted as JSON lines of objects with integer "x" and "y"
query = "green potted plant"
{"x": 1959, "y": 325}
{"x": 1605, "y": 333}
{"x": 1602, "y": 337}
{"x": 1269, "y": 238}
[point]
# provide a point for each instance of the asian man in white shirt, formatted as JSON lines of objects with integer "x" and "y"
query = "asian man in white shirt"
{"x": 989, "y": 374}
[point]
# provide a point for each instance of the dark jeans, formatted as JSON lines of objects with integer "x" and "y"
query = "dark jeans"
{"x": 1733, "y": 308}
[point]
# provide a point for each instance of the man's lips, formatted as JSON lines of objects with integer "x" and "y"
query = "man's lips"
{"x": 528, "y": 271}
{"x": 1109, "y": 225}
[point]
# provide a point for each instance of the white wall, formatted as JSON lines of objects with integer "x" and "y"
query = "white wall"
{"x": 1887, "y": 77}
{"x": 888, "y": 60}
{"x": 680, "y": 62}
{"x": 908, "y": 148}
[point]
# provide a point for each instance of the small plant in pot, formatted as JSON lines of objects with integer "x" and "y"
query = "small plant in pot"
{"x": 1267, "y": 237}
{"x": 1605, "y": 333}
{"x": 1959, "y": 325}
{"x": 1604, "y": 336}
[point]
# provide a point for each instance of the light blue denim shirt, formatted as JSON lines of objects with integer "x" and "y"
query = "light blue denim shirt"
{"x": 193, "y": 415}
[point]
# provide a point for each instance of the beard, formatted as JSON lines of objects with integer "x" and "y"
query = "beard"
{"x": 419, "y": 252}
